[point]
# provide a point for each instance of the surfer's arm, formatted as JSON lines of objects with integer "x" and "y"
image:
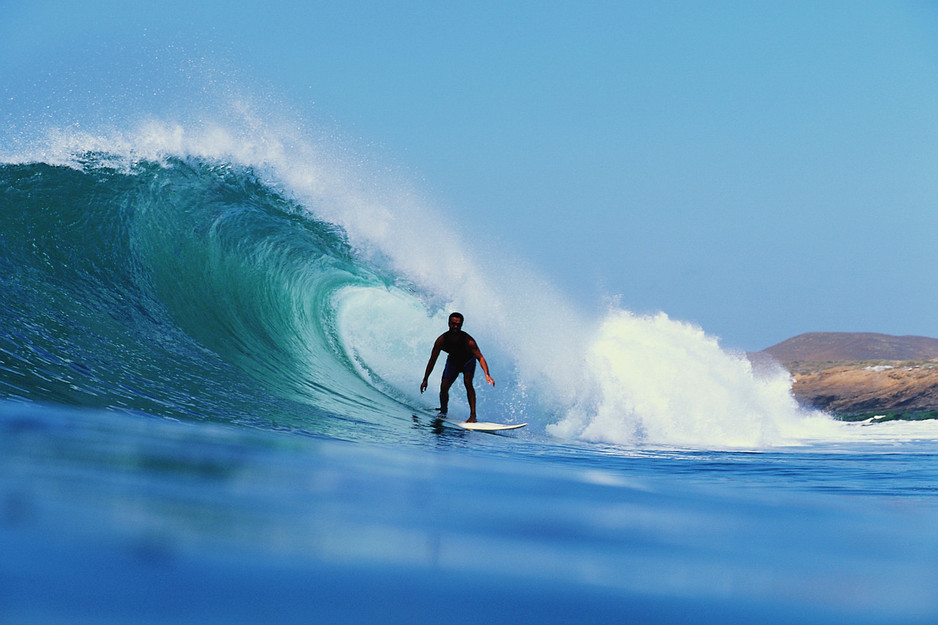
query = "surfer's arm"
{"x": 437, "y": 347}
{"x": 485, "y": 369}
{"x": 485, "y": 366}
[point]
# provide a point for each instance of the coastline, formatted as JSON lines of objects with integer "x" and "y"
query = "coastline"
{"x": 860, "y": 376}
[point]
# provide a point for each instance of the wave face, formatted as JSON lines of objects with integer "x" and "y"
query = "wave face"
{"x": 207, "y": 277}
{"x": 183, "y": 288}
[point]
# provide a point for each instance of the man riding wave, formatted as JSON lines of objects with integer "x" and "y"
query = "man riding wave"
{"x": 463, "y": 351}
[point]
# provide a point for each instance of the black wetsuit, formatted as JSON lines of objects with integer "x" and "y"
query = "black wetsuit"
{"x": 460, "y": 358}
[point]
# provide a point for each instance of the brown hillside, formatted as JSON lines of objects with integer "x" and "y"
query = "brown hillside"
{"x": 861, "y": 373}
{"x": 853, "y": 346}
{"x": 905, "y": 387}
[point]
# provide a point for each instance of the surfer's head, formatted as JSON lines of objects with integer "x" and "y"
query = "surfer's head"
{"x": 455, "y": 321}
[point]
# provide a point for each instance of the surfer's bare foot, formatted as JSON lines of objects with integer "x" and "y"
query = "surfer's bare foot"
{"x": 471, "y": 420}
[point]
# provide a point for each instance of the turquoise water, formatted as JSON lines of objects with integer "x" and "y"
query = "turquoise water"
{"x": 209, "y": 412}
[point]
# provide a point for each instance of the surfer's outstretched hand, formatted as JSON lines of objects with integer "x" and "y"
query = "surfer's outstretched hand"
{"x": 423, "y": 386}
{"x": 489, "y": 379}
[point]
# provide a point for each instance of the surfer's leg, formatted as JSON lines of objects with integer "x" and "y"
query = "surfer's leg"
{"x": 468, "y": 374}
{"x": 471, "y": 396}
{"x": 445, "y": 383}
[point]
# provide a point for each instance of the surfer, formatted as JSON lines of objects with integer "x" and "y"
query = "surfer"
{"x": 463, "y": 352}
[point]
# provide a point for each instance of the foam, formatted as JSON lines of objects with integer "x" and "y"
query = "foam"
{"x": 654, "y": 380}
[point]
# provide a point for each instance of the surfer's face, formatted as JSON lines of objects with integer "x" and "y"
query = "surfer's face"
{"x": 455, "y": 323}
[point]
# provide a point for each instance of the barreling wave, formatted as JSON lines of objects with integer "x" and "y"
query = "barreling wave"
{"x": 185, "y": 288}
{"x": 197, "y": 276}
{"x": 189, "y": 287}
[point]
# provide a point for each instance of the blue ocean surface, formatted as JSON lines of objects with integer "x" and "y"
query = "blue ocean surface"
{"x": 209, "y": 413}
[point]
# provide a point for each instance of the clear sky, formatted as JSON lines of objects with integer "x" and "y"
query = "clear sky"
{"x": 761, "y": 169}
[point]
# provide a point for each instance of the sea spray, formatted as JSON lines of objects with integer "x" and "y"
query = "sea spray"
{"x": 654, "y": 380}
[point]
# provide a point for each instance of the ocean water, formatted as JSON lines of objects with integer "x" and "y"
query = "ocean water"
{"x": 211, "y": 345}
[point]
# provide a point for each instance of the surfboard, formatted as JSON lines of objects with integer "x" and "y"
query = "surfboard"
{"x": 482, "y": 426}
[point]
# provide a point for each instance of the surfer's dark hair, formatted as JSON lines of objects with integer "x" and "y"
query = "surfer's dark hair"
{"x": 458, "y": 316}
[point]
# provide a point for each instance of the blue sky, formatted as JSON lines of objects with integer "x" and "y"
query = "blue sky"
{"x": 760, "y": 169}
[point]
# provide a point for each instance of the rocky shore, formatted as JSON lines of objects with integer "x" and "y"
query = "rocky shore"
{"x": 861, "y": 375}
